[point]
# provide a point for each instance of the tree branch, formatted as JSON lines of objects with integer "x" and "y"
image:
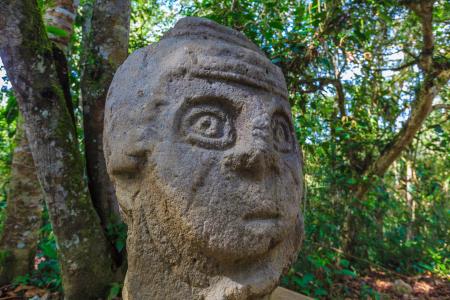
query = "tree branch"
{"x": 398, "y": 68}
{"x": 424, "y": 10}
{"x": 324, "y": 81}
{"x": 441, "y": 106}
{"x": 435, "y": 79}
{"x": 420, "y": 111}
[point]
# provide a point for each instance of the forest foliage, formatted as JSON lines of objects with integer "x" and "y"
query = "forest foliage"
{"x": 354, "y": 71}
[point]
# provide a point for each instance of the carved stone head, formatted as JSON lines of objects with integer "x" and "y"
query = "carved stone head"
{"x": 200, "y": 145}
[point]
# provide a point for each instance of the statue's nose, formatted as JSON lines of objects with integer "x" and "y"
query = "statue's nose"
{"x": 254, "y": 155}
{"x": 251, "y": 160}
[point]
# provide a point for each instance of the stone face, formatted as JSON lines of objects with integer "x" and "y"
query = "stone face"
{"x": 200, "y": 146}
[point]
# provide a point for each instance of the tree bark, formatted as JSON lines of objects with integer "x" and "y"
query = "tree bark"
{"x": 25, "y": 196}
{"x": 28, "y": 57}
{"x": 410, "y": 199}
{"x": 105, "y": 47}
{"x": 23, "y": 213}
{"x": 61, "y": 15}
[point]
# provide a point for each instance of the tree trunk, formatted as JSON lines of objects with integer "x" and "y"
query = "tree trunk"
{"x": 28, "y": 57}
{"x": 23, "y": 213}
{"x": 61, "y": 15}
{"x": 410, "y": 200}
{"x": 105, "y": 47}
{"x": 25, "y": 197}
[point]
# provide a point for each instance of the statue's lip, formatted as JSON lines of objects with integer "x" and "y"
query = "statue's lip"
{"x": 261, "y": 215}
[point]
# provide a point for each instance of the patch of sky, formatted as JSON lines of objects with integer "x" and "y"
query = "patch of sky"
{"x": 4, "y": 83}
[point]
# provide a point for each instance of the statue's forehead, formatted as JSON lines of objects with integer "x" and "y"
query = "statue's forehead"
{"x": 223, "y": 62}
{"x": 239, "y": 95}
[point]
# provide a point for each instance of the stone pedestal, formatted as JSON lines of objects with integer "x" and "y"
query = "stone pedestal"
{"x": 281, "y": 293}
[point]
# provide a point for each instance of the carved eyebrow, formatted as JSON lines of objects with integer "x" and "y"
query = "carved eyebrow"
{"x": 238, "y": 78}
{"x": 243, "y": 67}
{"x": 218, "y": 100}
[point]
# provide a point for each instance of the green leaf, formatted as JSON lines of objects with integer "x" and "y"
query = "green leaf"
{"x": 344, "y": 263}
{"x": 320, "y": 292}
{"x": 56, "y": 31}
{"x": 347, "y": 272}
{"x": 276, "y": 60}
{"x": 114, "y": 291}
{"x": 49, "y": 250}
{"x": 438, "y": 129}
{"x": 120, "y": 244}
{"x": 308, "y": 278}
{"x": 25, "y": 279}
{"x": 303, "y": 281}
{"x": 298, "y": 281}
{"x": 351, "y": 181}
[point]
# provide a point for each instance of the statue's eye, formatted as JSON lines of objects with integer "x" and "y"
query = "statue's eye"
{"x": 283, "y": 140}
{"x": 208, "y": 126}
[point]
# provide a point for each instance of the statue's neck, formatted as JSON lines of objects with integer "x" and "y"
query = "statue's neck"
{"x": 159, "y": 269}
{"x": 154, "y": 270}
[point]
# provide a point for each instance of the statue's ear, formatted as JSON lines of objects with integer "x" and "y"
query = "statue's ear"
{"x": 126, "y": 151}
{"x": 126, "y": 154}
{"x": 126, "y": 162}
{"x": 124, "y": 168}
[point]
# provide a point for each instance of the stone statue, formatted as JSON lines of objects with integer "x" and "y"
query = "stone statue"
{"x": 200, "y": 145}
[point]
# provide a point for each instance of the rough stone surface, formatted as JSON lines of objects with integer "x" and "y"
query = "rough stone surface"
{"x": 401, "y": 288}
{"x": 200, "y": 145}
